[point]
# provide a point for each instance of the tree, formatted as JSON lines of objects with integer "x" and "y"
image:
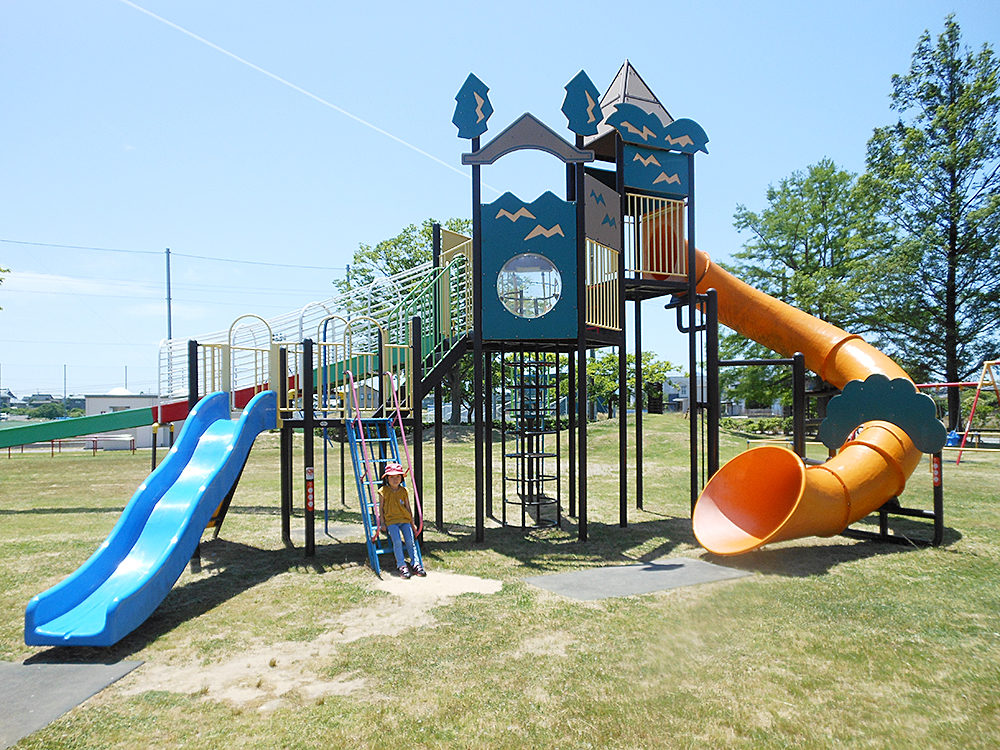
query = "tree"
{"x": 602, "y": 376}
{"x": 51, "y": 410}
{"x": 807, "y": 248}
{"x": 409, "y": 248}
{"x": 935, "y": 175}
{"x": 3, "y": 270}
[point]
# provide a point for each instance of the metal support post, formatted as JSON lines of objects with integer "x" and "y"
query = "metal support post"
{"x": 285, "y": 455}
{"x": 417, "y": 409}
{"x": 639, "y": 398}
{"x": 307, "y": 445}
{"x": 712, "y": 380}
{"x": 192, "y": 374}
{"x": 799, "y": 404}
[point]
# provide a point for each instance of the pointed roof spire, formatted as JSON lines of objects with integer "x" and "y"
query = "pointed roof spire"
{"x": 628, "y": 88}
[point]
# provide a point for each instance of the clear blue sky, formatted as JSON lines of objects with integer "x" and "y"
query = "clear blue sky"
{"x": 121, "y": 132}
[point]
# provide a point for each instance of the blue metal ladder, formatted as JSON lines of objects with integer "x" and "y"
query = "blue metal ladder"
{"x": 373, "y": 445}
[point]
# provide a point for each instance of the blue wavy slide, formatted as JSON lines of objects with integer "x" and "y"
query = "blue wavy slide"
{"x": 121, "y": 584}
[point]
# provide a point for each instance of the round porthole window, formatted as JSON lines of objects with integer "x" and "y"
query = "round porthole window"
{"x": 529, "y": 285}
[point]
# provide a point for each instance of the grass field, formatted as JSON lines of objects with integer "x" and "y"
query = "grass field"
{"x": 831, "y": 643}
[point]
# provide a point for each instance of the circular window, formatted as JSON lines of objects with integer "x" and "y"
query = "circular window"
{"x": 529, "y": 285}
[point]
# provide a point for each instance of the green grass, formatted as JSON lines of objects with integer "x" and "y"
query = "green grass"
{"x": 830, "y": 643}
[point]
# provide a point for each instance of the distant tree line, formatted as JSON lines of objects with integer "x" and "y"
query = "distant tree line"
{"x": 49, "y": 410}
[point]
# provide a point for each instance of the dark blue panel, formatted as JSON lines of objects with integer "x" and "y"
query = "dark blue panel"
{"x": 877, "y": 397}
{"x": 582, "y": 105}
{"x": 659, "y": 172}
{"x": 473, "y": 108}
{"x": 603, "y": 219}
{"x": 545, "y": 227}
{"x": 637, "y": 126}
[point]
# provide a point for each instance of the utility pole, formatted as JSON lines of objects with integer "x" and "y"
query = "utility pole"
{"x": 169, "y": 325}
{"x": 170, "y": 334}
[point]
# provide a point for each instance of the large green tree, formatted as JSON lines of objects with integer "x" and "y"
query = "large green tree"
{"x": 409, "y": 248}
{"x": 602, "y": 376}
{"x": 807, "y": 248}
{"x": 935, "y": 175}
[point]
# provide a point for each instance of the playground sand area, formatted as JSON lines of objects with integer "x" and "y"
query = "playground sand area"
{"x": 265, "y": 673}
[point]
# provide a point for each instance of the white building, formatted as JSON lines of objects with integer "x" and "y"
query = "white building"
{"x": 120, "y": 399}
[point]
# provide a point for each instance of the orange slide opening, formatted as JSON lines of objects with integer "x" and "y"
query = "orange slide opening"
{"x": 741, "y": 507}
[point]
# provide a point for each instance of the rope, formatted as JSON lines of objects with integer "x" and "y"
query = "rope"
{"x": 406, "y": 448}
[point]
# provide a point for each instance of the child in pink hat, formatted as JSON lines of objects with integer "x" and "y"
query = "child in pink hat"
{"x": 397, "y": 519}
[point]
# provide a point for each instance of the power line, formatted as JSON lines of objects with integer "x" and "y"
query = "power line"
{"x": 49, "y": 342}
{"x": 176, "y": 255}
{"x": 154, "y": 288}
{"x": 199, "y": 302}
{"x": 154, "y": 291}
{"x": 80, "y": 247}
{"x": 259, "y": 263}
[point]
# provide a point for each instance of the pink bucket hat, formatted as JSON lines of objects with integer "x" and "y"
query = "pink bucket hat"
{"x": 393, "y": 468}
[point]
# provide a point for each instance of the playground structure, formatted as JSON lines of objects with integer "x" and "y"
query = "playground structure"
{"x": 538, "y": 286}
{"x": 988, "y": 378}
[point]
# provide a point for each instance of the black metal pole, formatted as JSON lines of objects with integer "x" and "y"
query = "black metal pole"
{"x": 285, "y": 452}
{"x": 477, "y": 341}
{"x": 506, "y": 386}
{"x": 417, "y": 411}
{"x": 713, "y": 396}
{"x": 192, "y": 402}
{"x": 382, "y": 378}
{"x": 799, "y": 403}
{"x": 572, "y": 195}
{"x": 692, "y": 338}
{"x": 192, "y": 374}
{"x": 571, "y": 418}
{"x": 438, "y": 397}
{"x": 436, "y": 257}
{"x": 438, "y": 457}
{"x": 581, "y": 345}
{"x": 308, "y": 414}
{"x": 639, "y": 397}
{"x": 622, "y": 429}
{"x": 938, "y": 478}
{"x": 488, "y": 441}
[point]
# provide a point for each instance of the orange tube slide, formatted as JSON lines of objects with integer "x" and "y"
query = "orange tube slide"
{"x": 768, "y": 494}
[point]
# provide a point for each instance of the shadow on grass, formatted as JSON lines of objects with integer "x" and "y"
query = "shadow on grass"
{"x": 239, "y": 568}
{"x": 804, "y": 560}
{"x": 542, "y": 551}
{"x": 553, "y": 550}
{"x": 61, "y": 511}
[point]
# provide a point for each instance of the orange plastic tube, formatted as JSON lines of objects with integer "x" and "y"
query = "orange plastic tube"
{"x": 768, "y": 494}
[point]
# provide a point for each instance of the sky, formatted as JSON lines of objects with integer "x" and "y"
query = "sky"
{"x": 263, "y": 142}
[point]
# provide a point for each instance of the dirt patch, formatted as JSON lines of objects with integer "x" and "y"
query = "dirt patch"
{"x": 267, "y": 674}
